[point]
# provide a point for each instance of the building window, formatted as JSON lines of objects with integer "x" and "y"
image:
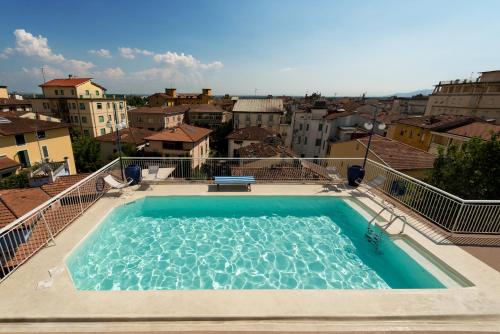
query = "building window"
{"x": 24, "y": 158}
{"x": 320, "y": 127}
{"x": 103, "y": 131}
{"x": 40, "y": 134}
{"x": 72, "y": 92}
{"x": 84, "y": 119}
{"x": 305, "y": 140}
{"x": 298, "y": 140}
{"x": 62, "y": 92}
{"x": 56, "y": 92}
{"x": 110, "y": 118}
{"x": 74, "y": 105}
{"x": 101, "y": 119}
{"x": 121, "y": 105}
{"x": 97, "y": 93}
{"x": 259, "y": 117}
{"x": 20, "y": 140}
{"x": 108, "y": 105}
{"x": 307, "y": 127}
{"x": 172, "y": 145}
{"x": 318, "y": 142}
{"x": 99, "y": 105}
{"x": 82, "y": 106}
{"x": 271, "y": 118}
{"x": 45, "y": 152}
{"x": 87, "y": 92}
{"x": 300, "y": 126}
{"x": 123, "y": 116}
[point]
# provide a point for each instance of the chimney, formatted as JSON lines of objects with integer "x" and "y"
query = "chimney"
{"x": 70, "y": 76}
{"x": 172, "y": 92}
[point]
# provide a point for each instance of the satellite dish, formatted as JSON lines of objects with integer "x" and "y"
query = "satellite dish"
{"x": 381, "y": 126}
{"x": 368, "y": 126}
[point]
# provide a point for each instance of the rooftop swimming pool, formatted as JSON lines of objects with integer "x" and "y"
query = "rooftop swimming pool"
{"x": 240, "y": 242}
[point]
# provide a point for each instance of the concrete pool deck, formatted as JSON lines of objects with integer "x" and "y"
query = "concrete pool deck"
{"x": 26, "y": 308}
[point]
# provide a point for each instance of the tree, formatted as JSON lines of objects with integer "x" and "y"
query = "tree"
{"x": 87, "y": 153}
{"x": 135, "y": 101}
{"x": 469, "y": 172}
{"x": 218, "y": 141}
{"x": 19, "y": 180}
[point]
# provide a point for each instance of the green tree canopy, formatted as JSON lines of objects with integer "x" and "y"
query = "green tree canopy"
{"x": 471, "y": 171}
{"x": 87, "y": 153}
{"x": 135, "y": 101}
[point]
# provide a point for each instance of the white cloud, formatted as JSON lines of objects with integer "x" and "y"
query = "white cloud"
{"x": 130, "y": 53}
{"x": 30, "y": 45}
{"x": 174, "y": 58}
{"x": 287, "y": 69}
{"x": 101, "y": 53}
{"x": 48, "y": 72}
{"x": 6, "y": 53}
{"x": 111, "y": 73}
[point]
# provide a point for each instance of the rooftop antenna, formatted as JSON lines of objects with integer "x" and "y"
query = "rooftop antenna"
{"x": 43, "y": 75}
{"x": 255, "y": 92}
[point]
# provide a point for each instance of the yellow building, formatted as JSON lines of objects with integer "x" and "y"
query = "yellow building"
{"x": 82, "y": 103}
{"x": 28, "y": 141}
{"x": 394, "y": 154}
{"x": 171, "y": 98}
{"x": 416, "y": 131}
{"x": 4, "y": 93}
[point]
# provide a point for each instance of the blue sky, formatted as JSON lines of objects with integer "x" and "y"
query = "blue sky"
{"x": 235, "y": 47}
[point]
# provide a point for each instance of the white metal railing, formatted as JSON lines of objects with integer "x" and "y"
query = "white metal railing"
{"x": 26, "y": 235}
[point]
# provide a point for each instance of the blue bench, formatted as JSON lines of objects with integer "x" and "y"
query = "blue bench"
{"x": 234, "y": 180}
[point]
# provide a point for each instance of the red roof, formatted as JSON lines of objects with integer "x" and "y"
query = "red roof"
{"x": 398, "y": 155}
{"x": 482, "y": 130}
{"x": 68, "y": 82}
{"x": 6, "y": 163}
{"x": 182, "y": 133}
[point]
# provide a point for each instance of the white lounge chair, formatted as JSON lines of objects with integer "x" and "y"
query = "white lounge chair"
{"x": 154, "y": 173}
{"x": 374, "y": 183}
{"x": 334, "y": 178}
{"x": 115, "y": 184}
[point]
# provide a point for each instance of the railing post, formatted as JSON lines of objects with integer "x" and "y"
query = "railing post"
{"x": 80, "y": 200}
{"x": 48, "y": 228}
{"x": 458, "y": 217}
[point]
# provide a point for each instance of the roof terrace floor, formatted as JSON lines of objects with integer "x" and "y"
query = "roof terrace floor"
{"x": 61, "y": 307}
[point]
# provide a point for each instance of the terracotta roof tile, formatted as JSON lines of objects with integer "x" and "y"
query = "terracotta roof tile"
{"x": 128, "y": 135}
{"x": 182, "y": 133}
{"x": 17, "y": 125}
{"x": 398, "y": 155}
{"x": 205, "y": 108}
{"x": 10, "y": 102}
{"x": 477, "y": 129}
{"x": 180, "y": 109}
{"x": 252, "y": 133}
{"x": 21, "y": 201}
{"x": 262, "y": 150}
{"x": 6, "y": 216}
{"x": 437, "y": 122}
{"x": 67, "y": 82}
{"x": 6, "y": 162}
{"x": 62, "y": 183}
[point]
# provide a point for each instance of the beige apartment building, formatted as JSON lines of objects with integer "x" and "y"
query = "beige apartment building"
{"x": 473, "y": 98}
{"x": 82, "y": 103}
{"x": 258, "y": 112}
{"x": 157, "y": 118}
{"x": 207, "y": 115}
{"x": 171, "y": 98}
{"x": 181, "y": 141}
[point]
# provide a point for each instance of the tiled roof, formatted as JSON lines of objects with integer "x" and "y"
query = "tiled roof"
{"x": 21, "y": 201}
{"x": 205, "y": 108}
{"x": 336, "y": 115}
{"x": 258, "y": 105}
{"x": 67, "y": 82}
{"x": 182, "y": 133}
{"x": 477, "y": 129}
{"x": 12, "y": 125}
{"x": 398, "y": 155}
{"x": 62, "y": 183}
{"x": 251, "y": 133}
{"x": 6, "y": 162}
{"x": 128, "y": 135}
{"x": 262, "y": 150}
{"x": 437, "y": 122}
{"x": 6, "y": 216}
{"x": 10, "y": 102}
{"x": 180, "y": 109}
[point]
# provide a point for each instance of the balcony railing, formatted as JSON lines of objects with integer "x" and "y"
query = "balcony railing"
{"x": 22, "y": 238}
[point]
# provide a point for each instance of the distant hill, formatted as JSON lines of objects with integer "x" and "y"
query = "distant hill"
{"x": 416, "y": 92}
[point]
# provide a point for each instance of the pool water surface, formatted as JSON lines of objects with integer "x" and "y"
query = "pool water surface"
{"x": 240, "y": 242}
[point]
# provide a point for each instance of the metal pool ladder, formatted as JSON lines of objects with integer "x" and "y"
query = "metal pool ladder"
{"x": 372, "y": 236}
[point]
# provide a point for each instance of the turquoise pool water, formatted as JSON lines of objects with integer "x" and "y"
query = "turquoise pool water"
{"x": 240, "y": 242}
